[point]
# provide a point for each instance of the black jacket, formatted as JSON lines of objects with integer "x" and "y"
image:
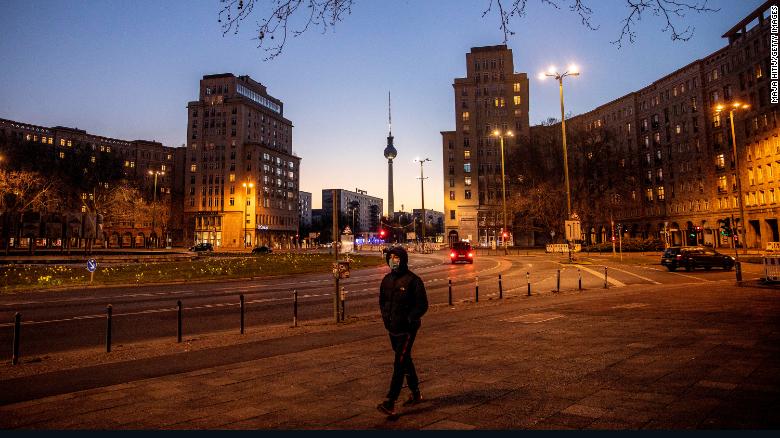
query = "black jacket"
{"x": 402, "y": 297}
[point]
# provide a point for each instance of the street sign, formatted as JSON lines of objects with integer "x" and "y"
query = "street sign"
{"x": 91, "y": 265}
{"x": 573, "y": 230}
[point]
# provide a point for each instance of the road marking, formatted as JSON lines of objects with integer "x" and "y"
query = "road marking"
{"x": 534, "y": 318}
{"x": 630, "y": 306}
{"x": 692, "y": 276}
{"x": 601, "y": 275}
{"x": 636, "y": 275}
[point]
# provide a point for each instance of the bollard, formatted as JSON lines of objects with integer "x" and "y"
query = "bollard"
{"x": 17, "y": 333}
{"x": 241, "y": 306}
{"x": 606, "y": 286}
{"x": 476, "y": 289}
{"x": 343, "y": 301}
{"x": 295, "y": 308}
{"x": 449, "y": 294}
{"x": 558, "y": 281}
{"x": 178, "y": 330}
{"x": 500, "y": 288}
{"x": 109, "y": 316}
{"x": 738, "y": 271}
{"x": 579, "y": 279}
{"x": 528, "y": 280}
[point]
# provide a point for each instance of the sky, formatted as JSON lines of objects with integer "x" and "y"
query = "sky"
{"x": 126, "y": 69}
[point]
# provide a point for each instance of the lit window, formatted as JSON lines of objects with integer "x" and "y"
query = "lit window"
{"x": 92, "y": 159}
{"x": 516, "y": 87}
{"x": 465, "y": 116}
{"x": 467, "y": 167}
{"x": 232, "y": 177}
{"x": 193, "y": 167}
{"x": 62, "y": 142}
{"x": 62, "y": 154}
{"x": 517, "y": 100}
{"x": 162, "y": 167}
{"x": 452, "y": 195}
{"x": 466, "y": 155}
{"x": 132, "y": 164}
{"x": 467, "y": 181}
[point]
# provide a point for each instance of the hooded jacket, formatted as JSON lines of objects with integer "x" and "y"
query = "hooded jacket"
{"x": 402, "y": 297}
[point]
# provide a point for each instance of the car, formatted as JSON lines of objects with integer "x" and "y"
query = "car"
{"x": 261, "y": 250}
{"x": 692, "y": 257}
{"x": 203, "y": 246}
{"x": 461, "y": 252}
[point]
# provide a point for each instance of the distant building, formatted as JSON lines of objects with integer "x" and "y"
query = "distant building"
{"x": 362, "y": 212}
{"x": 491, "y": 97}
{"x": 304, "y": 209}
{"x": 242, "y": 179}
{"x": 434, "y": 220}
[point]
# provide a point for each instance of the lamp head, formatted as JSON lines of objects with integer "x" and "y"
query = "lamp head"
{"x": 574, "y": 70}
{"x": 541, "y": 76}
{"x": 551, "y": 70}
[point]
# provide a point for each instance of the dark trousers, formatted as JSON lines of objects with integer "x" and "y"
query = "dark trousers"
{"x": 403, "y": 366}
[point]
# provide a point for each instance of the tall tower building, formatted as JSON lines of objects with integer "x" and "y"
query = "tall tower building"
{"x": 390, "y": 154}
{"x": 491, "y": 97}
{"x": 242, "y": 178}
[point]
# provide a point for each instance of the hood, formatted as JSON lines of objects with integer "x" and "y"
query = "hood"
{"x": 401, "y": 253}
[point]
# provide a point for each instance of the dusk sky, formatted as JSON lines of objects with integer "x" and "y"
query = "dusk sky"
{"x": 126, "y": 69}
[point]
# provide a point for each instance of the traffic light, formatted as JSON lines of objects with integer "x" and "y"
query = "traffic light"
{"x": 382, "y": 234}
{"x": 725, "y": 228}
{"x": 504, "y": 234}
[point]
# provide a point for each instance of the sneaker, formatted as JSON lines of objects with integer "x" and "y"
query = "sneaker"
{"x": 413, "y": 399}
{"x": 386, "y": 407}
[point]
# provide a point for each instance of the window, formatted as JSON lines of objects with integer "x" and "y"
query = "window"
{"x": 452, "y": 195}
{"x": 517, "y": 100}
{"x": 452, "y": 214}
{"x": 465, "y": 116}
{"x": 467, "y": 181}
{"x": 467, "y": 167}
{"x": 232, "y": 202}
{"x": 193, "y": 167}
{"x": 466, "y": 155}
{"x": 467, "y": 194}
{"x": 232, "y": 177}
{"x": 660, "y": 190}
{"x": 758, "y": 71}
{"x": 516, "y": 87}
{"x": 649, "y": 194}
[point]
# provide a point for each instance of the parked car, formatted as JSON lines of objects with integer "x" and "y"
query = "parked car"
{"x": 692, "y": 257}
{"x": 461, "y": 252}
{"x": 203, "y": 246}
{"x": 261, "y": 250}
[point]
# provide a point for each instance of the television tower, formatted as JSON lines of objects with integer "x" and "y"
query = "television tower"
{"x": 390, "y": 153}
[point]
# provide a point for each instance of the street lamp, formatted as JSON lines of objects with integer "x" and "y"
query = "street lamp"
{"x": 733, "y": 107}
{"x": 501, "y": 135}
{"x": 154, "y": 199}
{"x": 552, "y": 72}
{"x": 422, "y": 197}
{"x": 246, "y": 186}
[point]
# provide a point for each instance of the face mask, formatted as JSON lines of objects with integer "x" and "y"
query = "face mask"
{"x": 393, "y": 264}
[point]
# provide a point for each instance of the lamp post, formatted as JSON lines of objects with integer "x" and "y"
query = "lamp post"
{"x": 733, "y": 107}
{"x": 504, "y": 231}
{"x": 422, "y": 197}
{"x": 247, "y": 186}
{"x": 551, "y": 72}
{"x": 154, "y": 198}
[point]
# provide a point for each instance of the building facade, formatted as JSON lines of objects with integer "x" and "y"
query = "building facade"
{"x": 362, "y": 211}
{"x": 678, "y": 152}
{"x": 140, "y": 160}
{"x": 492, "y": 97}
{"x": 242, "y": 177}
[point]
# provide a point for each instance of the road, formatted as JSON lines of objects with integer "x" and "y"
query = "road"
{"x": 64, "y": 320}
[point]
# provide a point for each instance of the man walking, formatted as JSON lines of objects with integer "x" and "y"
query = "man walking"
{"x": 403, "y": 301}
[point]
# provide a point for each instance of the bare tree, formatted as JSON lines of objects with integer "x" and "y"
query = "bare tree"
{"x": 280, "y": 19}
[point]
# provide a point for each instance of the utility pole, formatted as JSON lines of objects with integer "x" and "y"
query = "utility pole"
{"x": 336, "y": 297}
{"x": 422, "y": 197}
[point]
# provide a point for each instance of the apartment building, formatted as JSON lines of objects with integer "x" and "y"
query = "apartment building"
{"x": 242, "y": 177}
{"x": 491, "y": 99}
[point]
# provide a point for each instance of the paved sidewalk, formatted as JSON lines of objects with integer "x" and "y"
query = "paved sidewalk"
{"x": 625, "y": 358}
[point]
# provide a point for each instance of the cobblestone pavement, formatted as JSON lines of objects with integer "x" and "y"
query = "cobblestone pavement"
{"x": 644, "y": 357}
